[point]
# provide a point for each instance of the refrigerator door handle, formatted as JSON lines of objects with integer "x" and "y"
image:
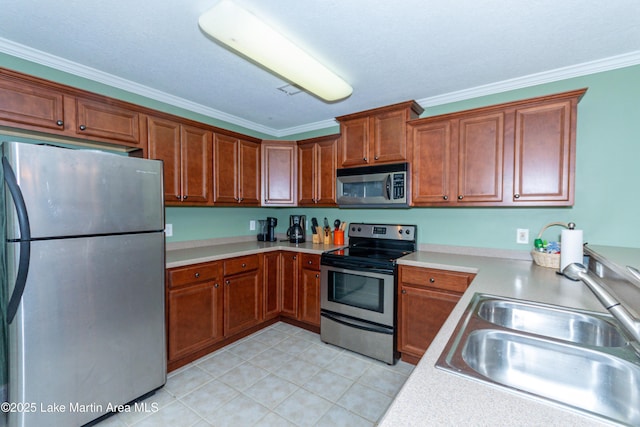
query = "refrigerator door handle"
{"x": 25, "y": 239}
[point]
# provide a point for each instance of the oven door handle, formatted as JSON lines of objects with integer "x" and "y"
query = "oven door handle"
{"x": 355, "y": 324}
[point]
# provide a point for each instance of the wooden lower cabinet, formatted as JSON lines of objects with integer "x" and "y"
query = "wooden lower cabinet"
{"x": 309, "y": 290}
{"x": 289, "y": 284}
{"x": 194, "y": 309}
{"x": 272, "y": 274}
{"x": 426, "y": 298}
{"x": 242, "y": 294}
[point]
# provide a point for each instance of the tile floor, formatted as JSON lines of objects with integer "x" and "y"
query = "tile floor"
{"x": 280, "y": 376}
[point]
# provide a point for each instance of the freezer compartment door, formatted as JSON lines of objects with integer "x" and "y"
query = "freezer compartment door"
{"x": 84, "y": 192}
{"x": 90, "y": 327}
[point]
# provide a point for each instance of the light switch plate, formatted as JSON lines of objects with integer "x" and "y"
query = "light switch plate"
{"x": 168, "y": 230}
{"x": 522, "y": 236}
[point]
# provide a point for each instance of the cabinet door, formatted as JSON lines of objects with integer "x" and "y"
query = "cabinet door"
{"x": 433, "y": 164}
{"x": 327, "y": 164}
{"x": 27, "y": 103}
{"x": 225, "y": 169}
{"x": 309, "y": 297}
{"x": 242, "y": 302}
{"x": 388, "y": 132}
{"x": 544, "y": 154}
{"x": 481, "y": 158}
{"x": 421, "y": 312}
{"x": 289, "y": 284}
{"x": 196, "y": 155}
{"x": 249, "y": 173}
{"x": 107, "y": 120}
{"x": 354, "y": 142}
{"x": 195, "y": 318}
{"x": 271, "y": 284}
{"x": 279, "y": 169}
{"x": 307, "y": 174}
{"x": 164, "y": 144}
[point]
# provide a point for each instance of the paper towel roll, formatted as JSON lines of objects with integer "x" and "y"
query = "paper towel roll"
{"x": 570, "y": 248}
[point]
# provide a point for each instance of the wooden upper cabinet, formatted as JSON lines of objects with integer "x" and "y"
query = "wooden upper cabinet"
{"x": 29, "y": 104}
{"x": 187, "y": 155}
{"x": 317, "y": 164}
{"x": 545, "y": 153}
{"x": 108, "y": 120}
{"x": 480, "y": 158}
{"x": 279, "y": 169}
{"x": 376, "y": 136}
{"x": 236, "y": 171}
{"x": 515, "y": 154}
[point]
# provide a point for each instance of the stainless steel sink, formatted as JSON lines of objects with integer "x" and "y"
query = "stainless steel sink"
{"x": 577, "y": 358}
{"x": 574, "y": 326}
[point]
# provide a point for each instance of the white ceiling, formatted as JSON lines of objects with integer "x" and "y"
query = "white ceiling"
{"x": 432, "y": 51}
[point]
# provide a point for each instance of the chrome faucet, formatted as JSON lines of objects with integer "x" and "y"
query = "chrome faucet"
{"x": 630, "y": 324}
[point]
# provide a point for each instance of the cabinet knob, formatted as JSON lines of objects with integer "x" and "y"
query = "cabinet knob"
{"x": 60, "y": 123}
{"x": 310, "y": 262}
{"x": 295, "y": 257}
{"x": 241, "y": 199}
{"x": 432, "y": 280}
{"x": 376, "y": 158}
{"x": 244, "y": 265}
{"x": 364, "y": 158}
{"x": 460, "y": 197}
{"x": 83, "y": 127}
{"x": 404, "y": 291}
{"x": 216, "y": 286}
{"x": 178, "y": 197}
{"x": 445, "y": 197}
{"x": 227, "y": 282}
{"x": 184, "y": 197}
{"x": 196, "y": 275}
{"x": 516, "y": 196}
{"x": 317, "y": 276}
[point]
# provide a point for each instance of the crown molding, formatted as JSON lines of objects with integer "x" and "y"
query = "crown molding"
{"x": 578, "y": 70}
{"x": 39, "y": 57}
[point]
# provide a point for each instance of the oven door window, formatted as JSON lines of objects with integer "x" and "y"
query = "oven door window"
{"x": 356, "y": 290}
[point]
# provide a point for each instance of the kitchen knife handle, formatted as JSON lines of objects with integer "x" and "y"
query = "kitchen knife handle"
{"x": 25, "y": 240}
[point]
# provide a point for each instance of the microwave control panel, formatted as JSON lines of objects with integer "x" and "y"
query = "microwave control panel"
{"x": 398, "y": 185}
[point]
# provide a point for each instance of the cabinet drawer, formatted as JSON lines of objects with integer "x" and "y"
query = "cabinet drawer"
{"x": 438, "y": 279}
{"x": 240, "y": 264}
{"x": 310, "y": 261}
{"x": 193, "y": 273}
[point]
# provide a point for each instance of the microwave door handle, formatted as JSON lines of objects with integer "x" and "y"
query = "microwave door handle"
{"x": 388, "y": 185}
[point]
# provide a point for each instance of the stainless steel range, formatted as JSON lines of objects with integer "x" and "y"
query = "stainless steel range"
{"x": 358, "y": 288}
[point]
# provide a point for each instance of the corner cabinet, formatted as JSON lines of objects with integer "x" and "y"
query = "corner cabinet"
{"x": 236, "y": 171}
{"x": 317, "y": 165}
{"x": 514, "y": 154}
{"x": 376, "y": 136}
{"x": 279, "y": 169}
{"x": 426, "y": 298}
{"x": 186, "y": 153}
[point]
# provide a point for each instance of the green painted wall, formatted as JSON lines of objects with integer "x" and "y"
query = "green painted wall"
{"x": 607, "y": 206}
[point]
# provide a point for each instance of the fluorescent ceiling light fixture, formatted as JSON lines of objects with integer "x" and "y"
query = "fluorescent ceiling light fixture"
{"x": 243, "y": 32}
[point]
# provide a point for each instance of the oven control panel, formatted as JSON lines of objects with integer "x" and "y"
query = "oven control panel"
{"x": 383, "y": 231}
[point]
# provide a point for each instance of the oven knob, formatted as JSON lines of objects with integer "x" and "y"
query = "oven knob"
{"x": 408, "y": 232}
{"x": 359, "y": 229}
{"x": 400, "y": 231}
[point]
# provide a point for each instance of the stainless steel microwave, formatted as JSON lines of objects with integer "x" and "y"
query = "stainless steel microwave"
{"x": 374, "y": 186}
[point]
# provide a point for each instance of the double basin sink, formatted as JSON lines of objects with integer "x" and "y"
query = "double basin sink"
{"x": 576, "y": 358}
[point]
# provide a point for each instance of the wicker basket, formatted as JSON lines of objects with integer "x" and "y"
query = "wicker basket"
{"x": 544, "y": 259}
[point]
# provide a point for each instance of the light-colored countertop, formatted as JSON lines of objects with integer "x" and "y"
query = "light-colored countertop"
{"x": 435, "y": 397}
{"x": 193, "y": 255}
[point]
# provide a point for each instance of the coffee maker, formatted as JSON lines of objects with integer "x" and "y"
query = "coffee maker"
{"x": 296, "y": 231}
{"x": 267, "y": 229}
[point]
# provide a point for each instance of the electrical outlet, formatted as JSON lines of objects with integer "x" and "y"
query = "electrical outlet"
{"x": 522, "y": 236}
{"x": 252, "y": 225}
{"x": 168, "y": 230}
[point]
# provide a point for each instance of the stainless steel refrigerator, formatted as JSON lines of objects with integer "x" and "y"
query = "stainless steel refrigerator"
{"x": 84, "y": 282}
